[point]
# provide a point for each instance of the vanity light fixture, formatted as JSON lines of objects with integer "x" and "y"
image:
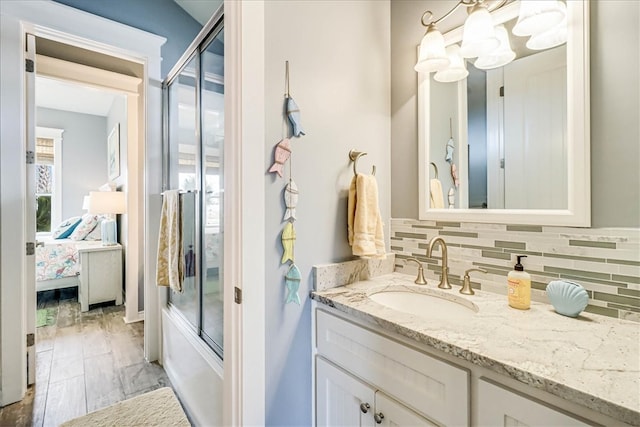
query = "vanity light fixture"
{"x": 432, "y": 56}
{"x": 540, "y": 19}
{"x": 499, "y": 57}
{"x": 478, "y": 35}
{"x": 553, "y": 37}
{"x": 456, "y": 70}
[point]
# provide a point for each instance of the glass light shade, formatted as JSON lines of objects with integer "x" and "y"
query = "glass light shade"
{"x": 550, "y": 38}
{"x": 478, "y": 35}
{"x": 456, "y": 69}
{"x": 432, "y": 55}
{"x": 538, "y": 16}
{"x": 499, "y": 57}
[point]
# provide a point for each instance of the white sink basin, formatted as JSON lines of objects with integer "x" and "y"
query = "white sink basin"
{"x": 425, "y": 305}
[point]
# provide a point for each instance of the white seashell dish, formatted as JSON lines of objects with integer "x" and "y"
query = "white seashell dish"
{"x": 568, "y": 298}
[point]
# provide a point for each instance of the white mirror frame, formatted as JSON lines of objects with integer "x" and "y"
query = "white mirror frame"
{"x": 578, "y": 212}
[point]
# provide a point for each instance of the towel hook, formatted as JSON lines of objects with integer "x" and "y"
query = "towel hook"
{"x": 436, "y": 168}
{"x": 354, "y": 156}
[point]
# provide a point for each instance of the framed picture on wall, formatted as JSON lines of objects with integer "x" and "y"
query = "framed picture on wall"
{"x": 113, "y": 152}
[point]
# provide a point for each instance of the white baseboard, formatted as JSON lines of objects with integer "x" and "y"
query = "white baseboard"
{"x": 139, "y": 318}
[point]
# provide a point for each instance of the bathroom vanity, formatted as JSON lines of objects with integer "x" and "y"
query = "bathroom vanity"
{"x": 466, "y": 360}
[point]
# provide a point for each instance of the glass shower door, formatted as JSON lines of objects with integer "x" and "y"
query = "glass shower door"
{"x": 212, "y": 101}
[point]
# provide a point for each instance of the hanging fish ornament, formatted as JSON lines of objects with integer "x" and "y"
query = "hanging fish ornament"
{"x": 450, "y": 146}
{"x": 293, "y": 113}
{"x": 454, "y": 175}
{"x": 292, "y": 280}
{"x": 290, "y": 200}
{"x": 288, "y": 239}
{"x": 281, "y": 155}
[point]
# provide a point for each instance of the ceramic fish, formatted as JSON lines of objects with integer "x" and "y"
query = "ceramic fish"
{"x": 452, "y": 198}
{"x": 449, "y": 156}
{"x": 281, "y": 155}
{"x": 292, "y": 280}
{"x": 454, "y": 175}
{"x": 290, "y": 200}
{"x": 288, "y": 239}
{"x": 293, "y": 112}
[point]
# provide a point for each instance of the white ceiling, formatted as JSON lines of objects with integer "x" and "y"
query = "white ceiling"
{"x": 200, "y": 10}
{"x": 66, "y": 96}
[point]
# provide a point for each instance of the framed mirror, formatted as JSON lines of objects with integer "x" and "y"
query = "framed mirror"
{"x": 510, "y": 144}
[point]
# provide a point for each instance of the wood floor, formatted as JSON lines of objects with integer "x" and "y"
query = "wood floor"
{"x": 85, "y": 361}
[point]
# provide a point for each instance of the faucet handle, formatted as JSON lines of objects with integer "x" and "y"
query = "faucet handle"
{"x": 420, "y": 279}
{"x": 466, "y": 282}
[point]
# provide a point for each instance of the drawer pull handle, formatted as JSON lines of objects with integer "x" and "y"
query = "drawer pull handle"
{"x": 364, "y": 407}
{"x": 378, "y": 417}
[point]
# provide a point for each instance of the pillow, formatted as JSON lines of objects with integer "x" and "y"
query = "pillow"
{"x": 86, "y": 226}
{"x": 96, "y": 233}
{"x": 66, "y": 227}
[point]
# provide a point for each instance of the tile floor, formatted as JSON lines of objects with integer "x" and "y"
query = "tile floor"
{"x": 85, "y": 361}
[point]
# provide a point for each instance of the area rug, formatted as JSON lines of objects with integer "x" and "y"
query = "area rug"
{"x": 155, "y": 408}
{"x": 46, "y": 316}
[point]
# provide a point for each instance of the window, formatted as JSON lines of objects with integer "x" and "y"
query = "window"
{"x": 45, "y": 166}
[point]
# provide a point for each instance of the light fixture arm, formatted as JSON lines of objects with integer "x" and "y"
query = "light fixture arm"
{"x": 427, "y": 17}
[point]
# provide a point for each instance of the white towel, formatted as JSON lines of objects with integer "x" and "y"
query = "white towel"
{"x": 170, "y": 268}
{"x": 365, "y": 231}
{"x": 435, "y": 194}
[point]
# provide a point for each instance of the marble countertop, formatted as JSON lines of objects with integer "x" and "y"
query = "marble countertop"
{"x": 591, "y": 360}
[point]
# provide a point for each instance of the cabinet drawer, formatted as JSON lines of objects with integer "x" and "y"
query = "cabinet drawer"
{"x": 498, "y": 406}
{"x": 432, "y": 387}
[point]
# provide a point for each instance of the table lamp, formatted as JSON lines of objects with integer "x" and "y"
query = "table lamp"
{"x": 108, "y": 203}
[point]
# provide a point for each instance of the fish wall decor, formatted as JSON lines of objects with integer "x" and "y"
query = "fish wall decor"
{"x": 290, "y": 200}
{"x": 292, "y": 280}
{"x": 288, "y": 240}
{"x": 293, "y": 113}
{"x": 281, "y": 155}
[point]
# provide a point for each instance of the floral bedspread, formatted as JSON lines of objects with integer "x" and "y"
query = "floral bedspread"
{"x": 54, "y": 261}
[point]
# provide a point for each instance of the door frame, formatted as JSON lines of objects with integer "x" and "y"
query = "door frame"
{"x": 64, "y": 24}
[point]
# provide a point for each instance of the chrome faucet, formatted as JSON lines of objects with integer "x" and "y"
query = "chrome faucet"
{"x": 444, "y": 279}
{"x": 420, "y": 279}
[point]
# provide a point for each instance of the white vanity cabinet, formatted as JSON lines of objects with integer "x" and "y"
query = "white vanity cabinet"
{"x": 501, "y": 407}
{"x": 406, "y": 386}
{"x": 367, "y": 378}
{"x": 344, "y": 400}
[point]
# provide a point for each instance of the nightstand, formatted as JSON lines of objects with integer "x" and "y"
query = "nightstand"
{"x": 100, "y": 274}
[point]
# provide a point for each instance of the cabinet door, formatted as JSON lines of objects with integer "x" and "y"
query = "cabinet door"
{"x": 341, "y": 399}
{"x": 388, "y": 412}
{"x": 500, "y": 407}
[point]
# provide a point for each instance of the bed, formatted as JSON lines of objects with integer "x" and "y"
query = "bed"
{"x": 58, "y": 263}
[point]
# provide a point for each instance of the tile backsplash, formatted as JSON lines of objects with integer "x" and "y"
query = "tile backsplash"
{"x": 606, "y": 261}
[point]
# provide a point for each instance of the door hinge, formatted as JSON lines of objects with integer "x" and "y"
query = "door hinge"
{"x": 501, "y": 163}
{"x": 31, "y": 157}
{"x": 28, "y": 65}
{"x": 501, "y": 90}
{"x": 31, "y": 248}
{"x": 237, "y": 295}
{"x": 31, "y": 340}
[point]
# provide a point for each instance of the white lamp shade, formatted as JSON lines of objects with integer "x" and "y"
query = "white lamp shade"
{"x": 550, "y": 38}
{"x": 478, "y": 35}
{"x": 538, "y": 16}
{"x": 107, "y": 202}
{"x": 432, "y": 56}
{"x": 456, "y": 69}
{"x": 499, "y": 57}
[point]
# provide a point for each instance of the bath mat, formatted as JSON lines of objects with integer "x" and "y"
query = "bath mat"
{"x": 155, "y": 408}
{"x": 46, "y": 316}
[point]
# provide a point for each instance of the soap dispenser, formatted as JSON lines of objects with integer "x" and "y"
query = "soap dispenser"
{"x": 519, "y": 283}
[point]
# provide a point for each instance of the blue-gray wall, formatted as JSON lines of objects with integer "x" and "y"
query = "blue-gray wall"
{"x": 161, "y": 17}
{"x": 84, "y": 154}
